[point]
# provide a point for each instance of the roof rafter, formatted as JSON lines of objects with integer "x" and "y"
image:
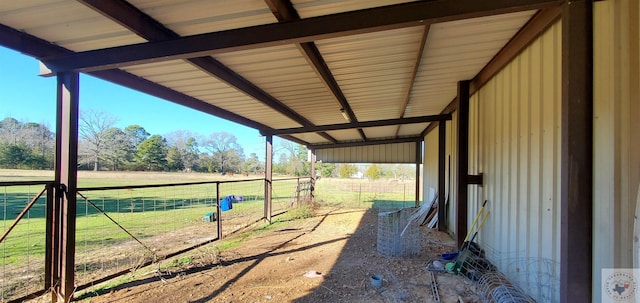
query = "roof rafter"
{"x": 414, "y": 74}
{"x": 148, "y": 28}
{"x": 360, "y": 125}
{"x": 298, "y": 31}
{"x": 284, "y": 11}
{"x": 365, "y": 143}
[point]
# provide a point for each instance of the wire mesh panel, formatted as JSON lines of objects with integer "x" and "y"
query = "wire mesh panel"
{"x": 284, "y": 195}
{"x": 362, "y": 193}
{"x": 245, "y": 201}
{"x": 396, "y": 234}
{"x": 124, "y": 228}
{"x": 22, "y": 251}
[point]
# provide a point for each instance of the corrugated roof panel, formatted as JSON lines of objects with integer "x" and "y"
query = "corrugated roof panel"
{"x": 312, "y": 138}
{"x": 286, "y": 75}
{"x": 412, "y": 129}
{"x": 373, "y": 69}
{"x": 313, "y": 8}
{"x": 380, "y": 132}
{"x": 65, "y": 23}
{"x": 456, "y": 51}
{"x": 202, "y": 16}
{"x": 186, "y": 78}
{"x": 344, "y": 134}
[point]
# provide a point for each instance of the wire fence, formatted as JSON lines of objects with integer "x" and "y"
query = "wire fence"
{"x": 22, "y": 250}
{"x": 122, "y": 228}
{"x": 363, "y": 193}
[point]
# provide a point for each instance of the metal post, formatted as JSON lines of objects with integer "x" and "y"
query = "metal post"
{"x": 268, "y": 177}
{"x": 442, "y": 150}
{"x": 219, "y": 211}
{"x": 312, "y": 192}
{"x": 50, "y": 267}
{"x": 418, "y": 162}
{"x": 576, "y": 148}
{"x": 463, "y": 161}
{"x": 298, "y": 191}
{"x": 66, "y": 171}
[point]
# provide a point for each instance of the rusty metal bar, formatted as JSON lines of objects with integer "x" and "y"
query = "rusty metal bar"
{"x": 48, "y": 258}
{"x": 442, "y": 150}
{"x": 219, "y": 212}
{"x": 418, "y": 162}
{"x": 576, "y": 149}
{"x": 463, "y": 161}
{"x": 66, "y": 171}
{"x": 268, "y": 177}
{"x": 313, "y": 176}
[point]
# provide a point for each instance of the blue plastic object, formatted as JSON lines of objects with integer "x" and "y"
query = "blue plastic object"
{"x": 226, "y": 203}
{"x": 449, "y": 256}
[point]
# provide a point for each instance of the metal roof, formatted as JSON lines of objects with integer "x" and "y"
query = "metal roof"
{"x": 319, "y": 72}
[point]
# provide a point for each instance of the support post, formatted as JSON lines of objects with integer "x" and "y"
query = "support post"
{"x": 268, "y": 177}
{"x": 442, "y": 150}
{"x": 66, "y": 182}
{"x": 418, "y": 162}
{"x": 576, "y": 165}
{"x": 463, "y": 161}
{"x": 50, "y": 267}
{"x": 218, "y": 212}
{"x": 312, "y": 191}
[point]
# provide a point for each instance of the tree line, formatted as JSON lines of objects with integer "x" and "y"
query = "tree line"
{"x": 102, "y": 146}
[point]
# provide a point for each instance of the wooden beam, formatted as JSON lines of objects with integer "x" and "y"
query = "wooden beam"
{"x": 355, "y": 125}
{"x": 576, "y": 148}
{"x": 299, "y": 31}
{"x": 463, "y": 161}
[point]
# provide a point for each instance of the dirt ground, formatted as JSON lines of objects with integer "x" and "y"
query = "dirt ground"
{"x": 327, "y": 258}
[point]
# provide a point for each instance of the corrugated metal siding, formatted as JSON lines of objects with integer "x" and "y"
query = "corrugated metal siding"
{"x": 616, "y": 144}
{"x": 430, "y": 167}
{"x": 386, "y": 153}
{"x": 515, "y": 135}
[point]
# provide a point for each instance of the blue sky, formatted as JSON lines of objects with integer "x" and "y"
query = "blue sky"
{"x": 28, "y": 97}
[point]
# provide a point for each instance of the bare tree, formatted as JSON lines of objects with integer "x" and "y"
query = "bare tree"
{"x": 227, "y": 153}
{"x": 92, "y": 131}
